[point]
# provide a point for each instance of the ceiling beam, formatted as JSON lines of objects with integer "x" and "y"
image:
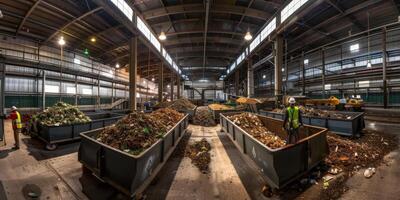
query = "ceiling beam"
{"x": 349, "y": 16}
{"x": 27, "y": 15}
{"x": 199, "y": 8}
{"x": 72, "y": 22}
{"x": 191, "y": 40}
{"x": 205, "y": 36}
{"x": 335, "y": 18}
{"x": 202, "y": 31}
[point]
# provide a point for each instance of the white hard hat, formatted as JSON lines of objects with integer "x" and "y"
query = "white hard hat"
{"x": 13, "y": 108}
{"x": 292, "y": 100}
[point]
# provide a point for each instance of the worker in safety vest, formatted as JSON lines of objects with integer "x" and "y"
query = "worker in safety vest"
{"x": 16, "y": 124}
{"x": 292, "y": 121}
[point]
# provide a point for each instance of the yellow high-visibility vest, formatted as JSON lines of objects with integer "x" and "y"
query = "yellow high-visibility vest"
{"x": 18, "y": 121}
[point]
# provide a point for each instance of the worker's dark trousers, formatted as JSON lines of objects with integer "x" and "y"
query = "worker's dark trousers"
{"x": 16, "y": 136}
{"x": 293, "y": 136}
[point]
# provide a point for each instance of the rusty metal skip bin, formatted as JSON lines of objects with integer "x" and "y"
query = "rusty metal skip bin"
{"x": 283, "y": 165}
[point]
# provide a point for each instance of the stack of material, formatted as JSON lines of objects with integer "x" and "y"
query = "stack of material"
{"x": 199, "y": 153}
{"x": 312, "y": 112}
{"x": 167, "y": 116}
{"x": 203, "y": 117}
{"x": 163, "y": 104}
{"x": 216, "y": 106}
{"x": 244, "y": 100}
{"x": 61, "y": 114}
{"x": 138, "y": 131}
{"x": 253, "y": 125}
{"x": 182, "y": 104}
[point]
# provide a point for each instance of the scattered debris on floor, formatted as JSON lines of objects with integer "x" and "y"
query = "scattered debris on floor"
{"x": 203, "y": 117}
{"x": 61, "y": 114}
{"x": 199, "y": 153}
{"x": 253, "y": 125}
{"x": 347, "y": 156}
{"x": 138, "y": 131}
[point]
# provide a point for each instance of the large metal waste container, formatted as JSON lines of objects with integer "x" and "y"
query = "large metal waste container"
{"x": 124, "y": 171}
{"x": 57, "y": 134}
{"x": 347, "y": 127}
{"x": 283, "y": 165}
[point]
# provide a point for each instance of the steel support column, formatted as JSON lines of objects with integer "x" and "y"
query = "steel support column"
{"x": 132, "y": 73}
{"x": 160, "y": 83}
{"x": 323, "y": 72}
{"x": 384, "y": 65}
{"x": 44, "y": 90}
{"x": 172, "y": 88}
{"x": 76, "y": 90}
{"x": 237, "y": 76}
{"x": 2, "y": 80}
{"x": 250, "y": 79}
{"x": 303, "y": 74}
{"x": 178, "y": 87}
{"x": 278, "y": 48}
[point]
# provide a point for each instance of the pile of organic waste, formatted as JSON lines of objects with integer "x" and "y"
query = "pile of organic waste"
{"x": 134, "y": 133}
{"x": 312, "y": 112}
{"x": 203, "y": 117}
{"x": 244, "y": 100}
{"x": 182, "y": 104}
{"x": 253, "y": 125}
{"x": 163, "y": 104}
{"x": 216, "y": 106}
{"x": 61, "y": 114}
{"x": 199, "y": 153}
{"x": 167, "y": 116}
{"x": 347, "y": 156}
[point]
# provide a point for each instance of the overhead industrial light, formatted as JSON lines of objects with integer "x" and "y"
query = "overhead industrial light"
{"x": 162, "y": 36}
{"x": 153, "y": 79}
{"x": 264, "y": 76}
{"x": 117, "y": 65}
{"x": 1, "y": 14}
{"x": 61, "y": 41}
{"x": 93, "y": 39}
{"x": 168, "y": 86}
{"x": 248, "y": 36}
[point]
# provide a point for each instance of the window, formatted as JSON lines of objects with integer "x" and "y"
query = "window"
{"x": 124, "y": 8}
{"x": 363, "y": 84}
{"x": 268, "y": 29}
{"x": 328, "y": 86}
{"x": 52, "y": 88}
{"x": 255, "y": 43}
{"x": 71, "y": 90}
{"x": 292, "y": 7}
{"x": 306, "y": 62}
{"x": 87, "y": 91}
{"x": 77, "y": 61}
{"x": 155, "y": 42}
{"x": 354, "y": 48}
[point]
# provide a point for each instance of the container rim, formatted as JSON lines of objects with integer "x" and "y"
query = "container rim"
{"x": 83, "y": 134}
{"x": 354, "y": 116}
{"x": 281, "y": 148}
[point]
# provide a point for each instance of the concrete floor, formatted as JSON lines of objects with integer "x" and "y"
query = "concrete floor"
{"x": 58, "y": 174}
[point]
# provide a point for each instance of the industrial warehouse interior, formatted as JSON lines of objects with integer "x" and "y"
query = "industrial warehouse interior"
{"x": 199, "y": 99}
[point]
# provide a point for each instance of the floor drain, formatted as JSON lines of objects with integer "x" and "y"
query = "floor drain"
{"x": 31, "y": 191}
